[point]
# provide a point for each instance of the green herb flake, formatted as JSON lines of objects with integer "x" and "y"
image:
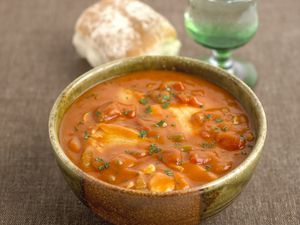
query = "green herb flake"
{"x": 86, "y": 135}
{"x": 218, "y": 120}
{"x": 148, "y": 109}
{"x": 98, "y": 114}
{"x": 208, "y": 167}
{"x": 208, "y": 145}
{"x": 160, "y": 158}
{"x": 207, "y": 116}
{"x": 99, "y": 160}
{"x": 126, "y": 112}
{"x": 165, "y": 105}
{"x": 168, "y": 172}
{"x": 217, "y": 129}
{"x": 187, "y": 148}
{"x": 153, "y": 148}
{"x": 224, "y": 129}
{"x": 176, "y": 138}
{"x": 166, "y": 98}
{"x": 161, "y": 123}
{"x": 143, "y": 101}
{"x": 104, "y": 166}
{"x": 143, "y": 133}
{"x": 244, "y": 153}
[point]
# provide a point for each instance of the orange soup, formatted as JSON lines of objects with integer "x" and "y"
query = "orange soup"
{"x": 156, "y": 131}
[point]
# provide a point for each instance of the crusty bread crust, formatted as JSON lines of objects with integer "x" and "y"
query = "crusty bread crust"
{"x": 113, "y": 29}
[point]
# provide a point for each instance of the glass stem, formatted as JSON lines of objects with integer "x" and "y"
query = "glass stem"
{"x": 222, "y": 59}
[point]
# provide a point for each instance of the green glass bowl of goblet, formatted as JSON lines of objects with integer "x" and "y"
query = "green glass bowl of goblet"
{"x": 224, "y": 25}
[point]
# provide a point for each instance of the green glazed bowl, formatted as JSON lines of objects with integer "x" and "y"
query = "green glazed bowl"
{"x": 125, "y": 206}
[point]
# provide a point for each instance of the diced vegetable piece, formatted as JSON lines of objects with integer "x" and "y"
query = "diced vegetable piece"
{"x": 177, "y": 138}
{"x": 161, "y": 183}
{"x": 112, "y": 110}
{"x": 183, "y": 98}
{"x": 124, "y": 160}
{"x": 114, "y": 131}
{"x": 111, "y": 178}
{"x": 140, "y": 182}
{"x": 178, "y": 86}
{"x": 187, "y": 148}
{"x": 128, "y": 184}
{"x": 172, "y": 156}
{"x": 198, "y": 173}
{"x": 194, "y": 101}
{"x": 86, "y": 157}
{"x": 180, "y": 182}
{"x": 183, "y": 118}
{"x": 230, "y": 141}
{"x": 200, "y": 157}
{"x": 149, "y": 169}
{"x": 74, "y": 144}
{"x": 249, "y": 136}
{"x": 222, "y": 167}
{"x": 87, "y": 117}
{"x": 175, "y": 167}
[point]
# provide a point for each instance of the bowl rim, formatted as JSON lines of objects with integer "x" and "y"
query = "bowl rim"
{"x": 255, "y": 152}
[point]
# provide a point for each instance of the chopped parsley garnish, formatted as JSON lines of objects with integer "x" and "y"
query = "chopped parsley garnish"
{"x": 143, "y": 101}
{"x": 244, "y": 153}
{"x": 207, "y": 116}
{"x": 130, "y": 152}
{"x": 99, "y": 160}
{"x": 224, "y": 129}
{"x": 86, "y": 135}
{"x": 217, "y": 129}
{"x": 165, "y": 105}
{"x": 187, "y": 148}
{"x": 153, "y": 148}
{"x": 161, "y": 123}
{"x": 104, "y": 166}
{"x": 176, "y": 138}
{"x": 98, "y": 113}
{"x": 160, "y": 158}
{"x": 126, "y": 112}
{"x": 148, "y": 109}
{"x": 166, "y": 97}
{"x": 208, "y": 145}
{"x": 168, "y": 172}
{"x": 218, "y": 120}
{"x": 242, "y": 138}
{"x": 208, "y": 167}
{"x": 143, "y": 133}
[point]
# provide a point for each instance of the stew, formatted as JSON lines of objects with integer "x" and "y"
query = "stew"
{"x": 156, "y": 131}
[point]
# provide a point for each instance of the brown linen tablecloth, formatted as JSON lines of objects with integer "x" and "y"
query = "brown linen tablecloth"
{"x": 37, "y": 61}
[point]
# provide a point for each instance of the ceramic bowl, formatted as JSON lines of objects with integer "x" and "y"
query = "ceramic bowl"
{"x": 125, "y": 206}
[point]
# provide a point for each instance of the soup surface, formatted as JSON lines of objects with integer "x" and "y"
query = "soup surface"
{"x": 156, "y": 131}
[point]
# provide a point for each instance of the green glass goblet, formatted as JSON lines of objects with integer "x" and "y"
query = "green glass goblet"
{"x": 224, "y": 25}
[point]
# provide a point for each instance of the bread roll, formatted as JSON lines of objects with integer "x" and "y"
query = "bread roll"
{"x": 114, "y": 29}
